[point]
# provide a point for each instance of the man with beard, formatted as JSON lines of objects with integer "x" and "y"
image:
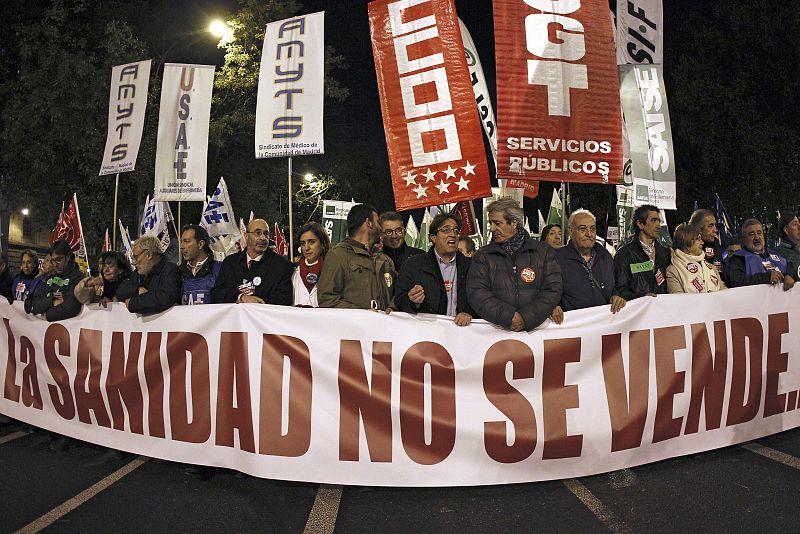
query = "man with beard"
{"x": 587, "y": 269}
{"x": 256, "y": 275}
{"x": 640, "y": 265}
{"x": 754, "y": 264}
{"x": 155, "y": 286}
{"x": 436, "y": 282}
{"x": 706, "y": 223}
{"x": 393, "y": 239}
{"x": 55, "y": 297}
{"x": 353, "y": 275}
{"x": 514, "y": 281}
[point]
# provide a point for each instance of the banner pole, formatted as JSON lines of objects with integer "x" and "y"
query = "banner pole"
{"x": 291, "y": 227}
{"x": 180, "y": 255}
{"x": 114, "y": 222}
{"x": 565, "y": 194}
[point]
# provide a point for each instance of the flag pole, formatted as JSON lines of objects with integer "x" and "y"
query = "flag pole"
{"x": 564, "y": 192}
{"x": 180, "y": 255}
{"x": 83, "y": 239}
{"x": 291, "y": 228}
{"x": 113, "y": 225}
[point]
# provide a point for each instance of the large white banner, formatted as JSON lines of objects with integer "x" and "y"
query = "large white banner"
{"x": 126, "y": 104}
{"x": 182, "y": 146}
{"x": 220, "y": 222}
{"x": 356, "y": 397}
{"x": 640, "y": 33}
{"x": 291, "y": 88}
{"x": 644, "y": 107}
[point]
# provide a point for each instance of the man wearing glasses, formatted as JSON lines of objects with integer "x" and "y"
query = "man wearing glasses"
{"x": 587, "y": 269}
{"x": 393, "y": 239}
{"x": 155, "y": 286}
{"x": 436, "y": 282}
{"x": 255, "y": 275}
{"x": 55, "y": 297}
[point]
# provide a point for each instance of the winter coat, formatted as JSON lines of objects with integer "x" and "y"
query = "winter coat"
{"x": 423, "y": 269}
{"x": 270, "y": 279}
{"x": 692, "y": 274}
{"x": 163, "y": 286}
{"x": 634, "y": 273}
{"x": 42, "y": 300}
{"x": 353, "y": 277}
{"x": 582, "y": 290}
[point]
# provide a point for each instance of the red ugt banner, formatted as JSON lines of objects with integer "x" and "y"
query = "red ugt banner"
{"x": 433, "y": 135}
{"x": 68, "y": 226}
{"x": 557, "y": 91}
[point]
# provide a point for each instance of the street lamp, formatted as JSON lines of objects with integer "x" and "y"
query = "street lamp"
{"x": 219, "y": 29}
{"x": 25, "y": 212}
{"x": 308, "y": 177}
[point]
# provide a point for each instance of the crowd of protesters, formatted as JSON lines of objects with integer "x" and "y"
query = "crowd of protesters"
{"x": 515, "y": 281}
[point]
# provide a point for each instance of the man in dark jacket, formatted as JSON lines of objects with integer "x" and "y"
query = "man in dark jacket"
{"x": 199, "y": 270}
{"x": 755, "y": 264}
{"x": 436, "y": 282}
{"x": 393, "y": 239}
{"x": 640, "y": 265}
{"x": 789, "y": 244}
{"x": 155, "y": 286}
{"x": 55, "y": 296}
{"x": 5, "y": 279}
{"x": 587, "y": 269}
{"x": 255, "y": 275}
{"x": 514, "y": 281}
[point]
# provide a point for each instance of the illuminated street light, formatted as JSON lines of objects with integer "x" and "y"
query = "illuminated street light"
{"x": 25, "y": 211}
{"x": 308, "y": 177}
{"x": 221, "y": 30}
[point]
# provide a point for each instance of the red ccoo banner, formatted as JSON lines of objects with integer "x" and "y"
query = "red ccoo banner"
{"x": 433, "y": 135}
{"x": 557, "y": 91}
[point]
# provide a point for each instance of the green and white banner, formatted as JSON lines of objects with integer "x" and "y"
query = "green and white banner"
{"x": 334, "y": 219}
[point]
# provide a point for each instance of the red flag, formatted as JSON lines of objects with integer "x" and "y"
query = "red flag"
{"x": 466, "y": 212}
{"x": 530, "y": 188}
{"x": 68, "y": 226}
{"x": 281, "y": 247}
{"x": 107, "y": 243}
{"x": 433, "y": 135}
{"x": 557, "y": 92}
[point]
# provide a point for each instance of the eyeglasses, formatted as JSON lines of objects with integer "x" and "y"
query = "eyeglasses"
{"x": 136, "y": 255}
{"x": 58, "y": 259}
{"x": 447, "y": 230}
{"x": 259, "y": 233}
{"x": 395, "y": 231}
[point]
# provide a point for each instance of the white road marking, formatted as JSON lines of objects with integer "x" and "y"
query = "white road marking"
{"x": 12, "y": 437}
{"x": 322, "y": 517}
{"x": 612, "y": 522}
{"x": 772, "y": 454}
{"x": 57, "y": 513}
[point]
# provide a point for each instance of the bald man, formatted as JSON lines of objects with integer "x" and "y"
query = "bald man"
{"x": 255, "y": 275}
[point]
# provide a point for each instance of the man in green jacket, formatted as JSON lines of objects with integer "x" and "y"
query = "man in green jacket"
{"x": 353, "y": 276}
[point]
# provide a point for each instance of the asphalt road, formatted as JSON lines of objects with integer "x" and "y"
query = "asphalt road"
{"x": 745, "y": 488}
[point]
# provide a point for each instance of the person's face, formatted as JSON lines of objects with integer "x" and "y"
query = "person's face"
{"x": 582, "y": 232}
{"x": 793, "y": 230}
{"x": 708, "y": 231}
{"x": 652, "y": 226}
{"x": 500, "y": 229}
{"x": 190, "y": 246}
{"x": 753, "y": 238}
{"x": 310, "y": 246}
{"x": 59, "y": 262}
{"x": 47, "y": 265}
{"x": 554, "y": 237}
{"x": 257, "y": 237}
{"x": 445, "y": 240}
{"x": 392, "y": 233}
{"x": 462, "y": 247}
{"x": 110, "y": 270}
{"x": 27, "y": 266}
{"x": 143, "y": 259}
{"x": 696, "y": 246}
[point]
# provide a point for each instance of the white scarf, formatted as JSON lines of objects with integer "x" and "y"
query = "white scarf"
{"x": 694, "y": 271}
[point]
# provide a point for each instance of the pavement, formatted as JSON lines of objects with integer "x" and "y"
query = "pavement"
{"x": 86, "y": 488}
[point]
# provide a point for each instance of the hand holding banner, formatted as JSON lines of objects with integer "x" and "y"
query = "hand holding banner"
{"x": 433, "y": 137}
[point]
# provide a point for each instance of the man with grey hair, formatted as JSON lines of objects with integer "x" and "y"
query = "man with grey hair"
{"x": 706, "y": 223}
{"x": 514, "y": 281}
{"x": 587, "y": 269}
{"x": 155, "y": 286}
{"x": 755, "y": 264}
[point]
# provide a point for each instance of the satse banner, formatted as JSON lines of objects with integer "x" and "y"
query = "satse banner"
{"x": 291, "y": 88}
{"x": 557, "y": 91}
{"x": 640, "y": 32}
{"x": 182, "y": 146}
{"x": 433, "y": 138}
{"x": 126, "y": 105}
{"x": 355, "y": 397}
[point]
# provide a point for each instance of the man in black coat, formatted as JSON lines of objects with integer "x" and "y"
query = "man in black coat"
{"x": 55, "y": 296}
{"x": 640, "y": 266}
{"x": 394, "y": 240}
{"x": 255, "y": 275}
{"x": 587, "y": 269}
{"x": 436, "y": 282}
{"x": 514, "y": 281}
{"x": 156, "y": 284}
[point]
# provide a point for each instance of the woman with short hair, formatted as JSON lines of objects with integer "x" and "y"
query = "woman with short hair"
{"x": 25, "y": 282}
{"x": 689, "y": 271}
{"x": 314, "y": 246}
{"x": 114, "y": 268}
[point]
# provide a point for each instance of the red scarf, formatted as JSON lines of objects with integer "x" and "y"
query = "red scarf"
{"x": 309, "y": 274}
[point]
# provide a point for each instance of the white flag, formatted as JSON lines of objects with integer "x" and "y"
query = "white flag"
{"x": 218, "y": 219}
{"x": 155, "y": 221}
{"x": 125, "y": 237}
{"x": 243, "y": 231}
{"x": 542, "y": 222}
{"x": 126, "y": 106}
{"x": 640, "y": 36}
{"x": 182, "y": 146}
{"x": 412, "y": 233}
{"x": 480, "y": 90}
{"x": 422, "y": 239}
{"x": 290, "y": 88}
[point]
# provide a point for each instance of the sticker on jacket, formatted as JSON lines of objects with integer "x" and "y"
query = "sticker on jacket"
{"x": 692, "y": 268}
{"x": 387, "y": 278}
{"x": 641, "y": 267}
{"x": 528, "y": 275}
{"x": 659, "y": 277}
